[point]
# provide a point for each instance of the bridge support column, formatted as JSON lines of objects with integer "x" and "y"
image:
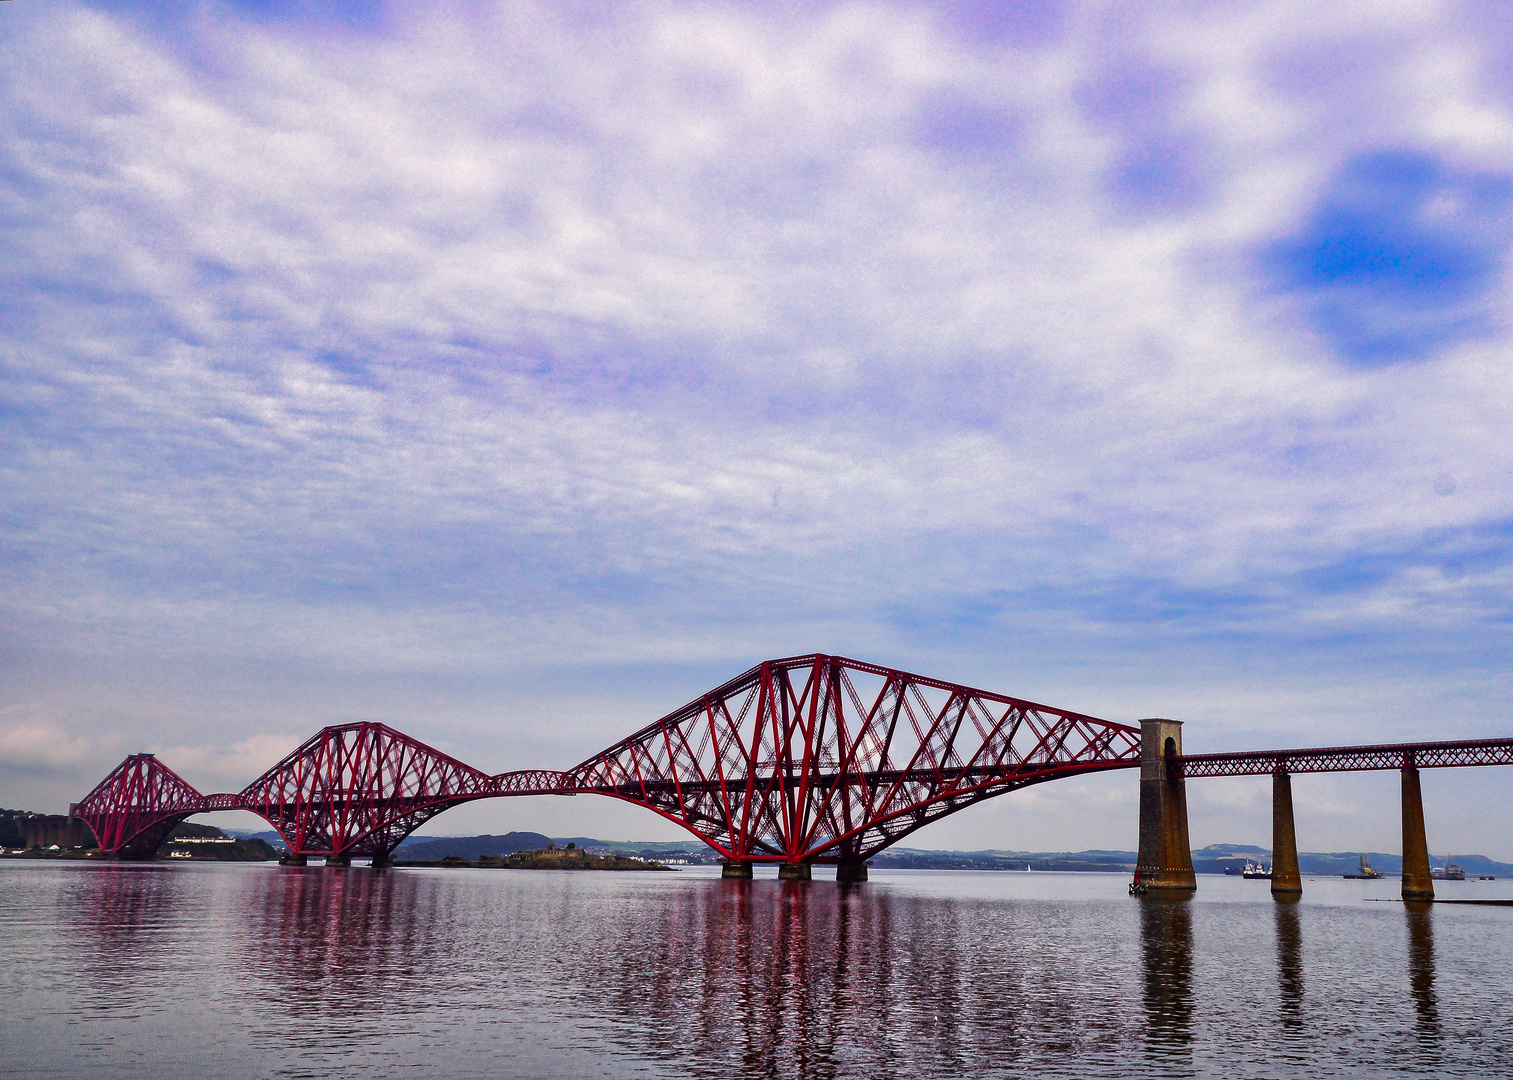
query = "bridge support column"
{"x": 338, "y": 860}
{"x": 794, "y": 871}
{"x": 1417, "y": 884}
{"x": 850, "y": 872}
{"x": 741, "y": 871}
{"x": 1166, "y": 858}
{"x": 1286, "y": 881}
{"x": 293, "y": 860}
{"x": 383, "y": 860}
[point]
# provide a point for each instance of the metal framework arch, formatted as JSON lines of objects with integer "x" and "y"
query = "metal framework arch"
{"x": 134, "y": 808}
{"x": 359, "y": 789}
{"x": 811, "y": 758}
{"x": 791, "y": 762}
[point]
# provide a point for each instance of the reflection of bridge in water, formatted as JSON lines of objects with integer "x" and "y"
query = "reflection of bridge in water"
{"x": 940, "y": 975}
{"x": 810, "y": 759}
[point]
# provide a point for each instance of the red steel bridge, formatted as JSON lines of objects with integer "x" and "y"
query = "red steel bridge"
{"x": 810, "y": 759}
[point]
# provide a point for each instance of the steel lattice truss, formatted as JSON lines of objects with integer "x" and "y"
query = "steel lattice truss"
{"x": 1426, "y": 755}
{"x": 134, "y": 809}
{"x": 822, "y": 759}
{"x": 359, "y": 789}
{"x": 354, "y": 789}
{"x": 812, "y": 759}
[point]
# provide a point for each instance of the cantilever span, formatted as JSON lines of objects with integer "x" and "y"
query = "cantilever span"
{"x": 806, "y": 759}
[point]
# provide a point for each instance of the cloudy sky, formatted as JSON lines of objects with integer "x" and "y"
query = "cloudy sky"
{"x": 513, "y": 373}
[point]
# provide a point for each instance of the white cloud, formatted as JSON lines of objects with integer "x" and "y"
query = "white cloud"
{"x": 41, "y": 747}
{"x": 217, "y": 767}
{"x": 492, "y": 339}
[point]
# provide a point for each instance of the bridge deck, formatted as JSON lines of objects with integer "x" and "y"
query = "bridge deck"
{"x": 1422, "y": 755}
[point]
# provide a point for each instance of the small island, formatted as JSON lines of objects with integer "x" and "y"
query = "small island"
{"x": 552, "y": 857}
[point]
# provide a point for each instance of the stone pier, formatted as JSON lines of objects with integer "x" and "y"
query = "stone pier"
{"x": 1166, "y": 859}
{"x": 739, "y": 871}
{"x": 850, "y": 872}
{"x": 794, "y": 871}
{"x": 1417, "y": 884}
{"x": 383, "y": 860}
{"x": 1286, "y": 881}
{"x": 338, "y": 860}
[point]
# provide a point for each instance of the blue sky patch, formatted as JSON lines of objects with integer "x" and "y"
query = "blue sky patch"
{"x": 1398, "y": 256}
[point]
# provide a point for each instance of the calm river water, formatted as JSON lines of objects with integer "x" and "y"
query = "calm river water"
{"x": 259, "y": 971}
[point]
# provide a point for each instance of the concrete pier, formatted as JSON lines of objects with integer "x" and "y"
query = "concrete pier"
{"x": 849, "y": 872}
{"x": 1286, "y": 881}
{"x": 1166, "y": 860}
{"x": 338, "y": 860}
{"x": 1417, "y": 884}
{"x": 383, "y": 861}
{"x": 740, "y": 871}
{"x": 293, "y": 860}
{"x": 794, "y": 871}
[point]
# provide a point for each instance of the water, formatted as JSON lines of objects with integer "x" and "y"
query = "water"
{"x": 210, "y": 971}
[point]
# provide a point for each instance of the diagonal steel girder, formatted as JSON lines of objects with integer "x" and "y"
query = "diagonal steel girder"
{"x": 820, "y": 758}
{"x": 809, "y": 758}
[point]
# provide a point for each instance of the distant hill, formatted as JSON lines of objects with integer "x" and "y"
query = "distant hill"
{"x": 427, "y": 849}
{"x": 553, "y": 858}
{"x": 1214, "y": 859}
{"x": 198, "y": 832}
{"x": 195, "y": 842}
{"x": 917, "y": 859}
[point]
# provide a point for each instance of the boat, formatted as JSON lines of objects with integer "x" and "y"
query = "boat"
{"x": 1254, "y": 871}
{"x": 1449, "y": 872}
{"x": 1234, "y": 871}
{"x": 1366, "y": 872}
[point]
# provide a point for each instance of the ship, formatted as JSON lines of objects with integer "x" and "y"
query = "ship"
{"x": 1254, "y": 871}
{"x": 1366, "y": 871}
{"x": 1449, "y": 872}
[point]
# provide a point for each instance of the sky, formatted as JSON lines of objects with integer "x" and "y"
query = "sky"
{"x": 514, "y": 373}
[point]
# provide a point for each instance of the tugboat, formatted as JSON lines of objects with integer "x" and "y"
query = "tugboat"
{"x": 1366, "y": 871}
{"x": 1450, "y": 872}
{"x": 1254, "y": 871}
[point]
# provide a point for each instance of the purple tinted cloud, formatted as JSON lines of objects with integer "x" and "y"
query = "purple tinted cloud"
{"x": 345, "y": 362}
{"x": 1012, "y": 23}
{"x": 967, "y": 130}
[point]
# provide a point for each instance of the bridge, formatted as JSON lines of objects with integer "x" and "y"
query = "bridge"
{"x": 800, "y": 761}
{"x": 804, "y": 760}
